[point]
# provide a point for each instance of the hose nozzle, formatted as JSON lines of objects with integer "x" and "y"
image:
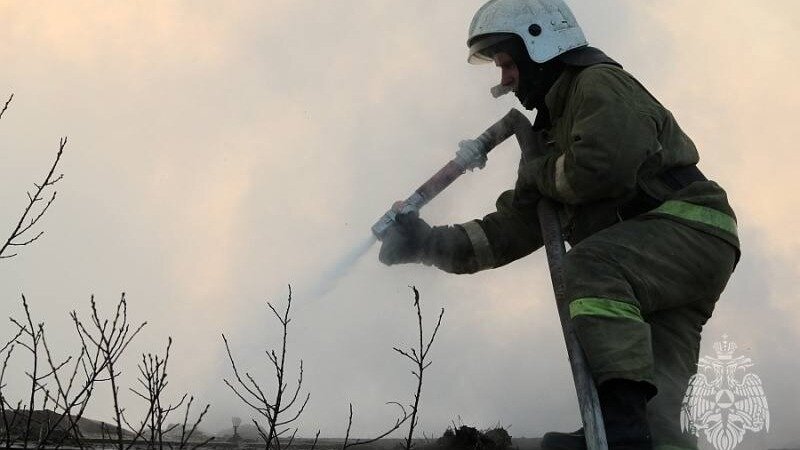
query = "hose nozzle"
{"x": 471, "y": 155}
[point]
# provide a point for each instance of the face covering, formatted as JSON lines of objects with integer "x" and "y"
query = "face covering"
{"x": 535, "y": 79}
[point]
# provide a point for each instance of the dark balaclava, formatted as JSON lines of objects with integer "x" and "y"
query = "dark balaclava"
{"x": 535, "y": 79}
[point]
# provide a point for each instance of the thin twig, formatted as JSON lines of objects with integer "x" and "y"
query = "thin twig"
{"x": 398, "y": 423}
{"x": 316, "y": 439}
{"x": 5, "y": 107}
{"x": 28, "y": 218}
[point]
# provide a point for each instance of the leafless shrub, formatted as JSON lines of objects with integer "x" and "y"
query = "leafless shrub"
{"x": 153, "y": 380}
{"x": 284, "y": 406}
{"x": 65, "y": 388}
{"x": 152, "y": 384}
{"x": 19, "y": 420}
{"x": 111, "y": 337}
{"x": 5, "y": 406}
{"x": 419, "y": 357}
{"x": 31, "y": 215}
{"x": 30, "y": 338}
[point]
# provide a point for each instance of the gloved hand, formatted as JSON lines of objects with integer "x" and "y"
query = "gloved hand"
{"x": 471, "y": 154}
{"x": 405, "y": 241}
{"x": 526, "y": 190}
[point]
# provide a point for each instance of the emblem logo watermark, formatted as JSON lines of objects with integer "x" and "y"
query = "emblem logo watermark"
{"x": 724, "y": 399}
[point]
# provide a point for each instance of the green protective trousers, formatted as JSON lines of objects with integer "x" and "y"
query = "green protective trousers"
{"x": 640, "y": 292}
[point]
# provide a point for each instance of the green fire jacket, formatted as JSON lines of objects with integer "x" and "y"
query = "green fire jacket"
{"x": 609, "y": 140}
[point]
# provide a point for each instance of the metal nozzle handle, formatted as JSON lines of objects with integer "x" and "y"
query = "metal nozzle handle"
{"x": 512, "y": 123}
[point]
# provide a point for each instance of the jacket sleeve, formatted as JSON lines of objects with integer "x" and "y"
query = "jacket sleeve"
{"x": 499, "y": 238}
{"x": 610, "y": 138}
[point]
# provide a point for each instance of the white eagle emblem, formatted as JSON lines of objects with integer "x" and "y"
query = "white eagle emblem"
{"x": 723, "y": 400}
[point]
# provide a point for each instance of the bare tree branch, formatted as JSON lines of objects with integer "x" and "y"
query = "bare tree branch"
{"x": 252, "y": 394}
{"x": 397, "y": 424}
{"x": 418, "y": 357}
{"x": 9, "y": 349}
{"x": 186, "y": 436}
{"x": 111, "y": 342}
{"x": 5, "y": 107}
{"x": 30, "y": 217}
{"x": 316, "y": 439}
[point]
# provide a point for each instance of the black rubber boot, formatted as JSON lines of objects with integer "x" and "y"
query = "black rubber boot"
{"x": 624, "y": 407}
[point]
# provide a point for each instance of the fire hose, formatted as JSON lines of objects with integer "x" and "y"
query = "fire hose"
{"x": 474, "y": 156}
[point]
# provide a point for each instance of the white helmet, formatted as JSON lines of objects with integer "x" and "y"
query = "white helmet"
{"x": 547, "y": 27}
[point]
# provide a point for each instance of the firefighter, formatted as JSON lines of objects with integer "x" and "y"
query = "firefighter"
{"x": 653, "y": 241}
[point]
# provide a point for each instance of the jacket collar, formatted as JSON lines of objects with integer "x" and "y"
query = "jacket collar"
{"x": 556, "y": 98}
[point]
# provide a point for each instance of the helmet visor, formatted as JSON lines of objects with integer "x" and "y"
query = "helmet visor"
{"x": 483, "y": 48}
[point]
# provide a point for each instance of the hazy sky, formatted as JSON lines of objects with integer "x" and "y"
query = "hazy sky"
{"x": 219, "y": 151}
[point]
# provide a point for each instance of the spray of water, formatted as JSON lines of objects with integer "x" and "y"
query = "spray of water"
{"x": 336, "y": 272}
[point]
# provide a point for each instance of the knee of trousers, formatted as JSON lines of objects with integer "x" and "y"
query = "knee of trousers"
{"x": 615, "y": 347}
{"x": 607, "y": 318}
